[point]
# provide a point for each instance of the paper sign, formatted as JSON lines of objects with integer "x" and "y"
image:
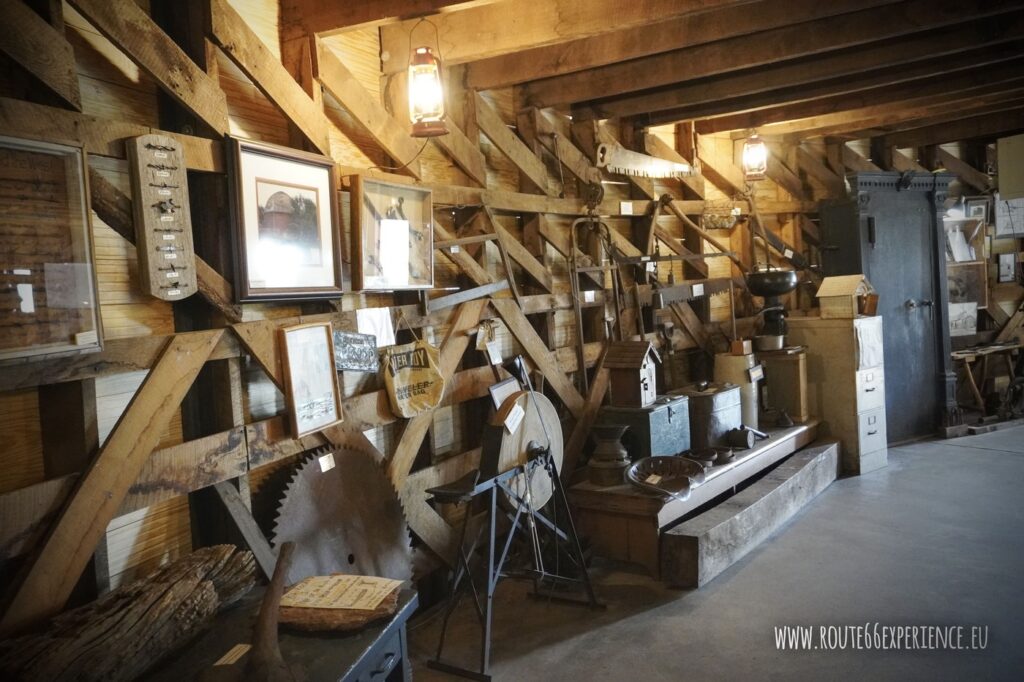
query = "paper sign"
{"x": 653, "y": 479}
{"x": 652, "y": 266}
{"x": 233, "y": 654}
{"x": 454, "y": 249}
{"x": 588, "y": 296}
{"x": 756, "y": 373}
{"x": 394, "y": 251}
{"x": 514, "y": 418}
{"x": 376, "y": 321}
{"x": 698, "y": 289}
{"x": 494, "y": 352}
{"x": 626, "y": 207}
{"x": 788, "y": 253}
{"x": 326, "y": 462}
{"x": 359, "y": 592}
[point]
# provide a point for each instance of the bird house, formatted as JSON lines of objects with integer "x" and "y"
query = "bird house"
{"x": 631, "y": 367}
{"x": 846, "y": 296}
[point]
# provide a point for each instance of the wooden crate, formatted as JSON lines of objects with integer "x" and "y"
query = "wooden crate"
{"x": 786, "y": 381}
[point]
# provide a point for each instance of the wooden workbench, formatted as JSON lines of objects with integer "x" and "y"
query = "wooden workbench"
{"x": 625, "y": 523}
{"x": 969, "y": 356}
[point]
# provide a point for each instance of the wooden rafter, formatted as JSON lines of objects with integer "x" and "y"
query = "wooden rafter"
{"x": 510, "y": 145}
{"x": 315, "y": 16}
{"x": 936, "y": 116}
{"x": 989, "y": 126}
{"x": 931, "y": 52}
{"x": 622, "y": 45}
{"x": 41, "y": 50}
{"x": 790, "y": 42}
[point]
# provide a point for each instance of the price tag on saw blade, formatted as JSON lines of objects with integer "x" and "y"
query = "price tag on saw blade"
{"x": 514, "y": 418}
{"x": 326, "y": 462}
{"x": 698, "y": 289}
{"x": 788, "y": 253}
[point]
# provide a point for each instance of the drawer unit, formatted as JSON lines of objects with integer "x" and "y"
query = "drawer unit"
{"x": 871, "y": 430}
{"x": 870, "y": 389}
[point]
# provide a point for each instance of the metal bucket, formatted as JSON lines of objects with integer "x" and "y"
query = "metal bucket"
{"x": 715, "y": 409}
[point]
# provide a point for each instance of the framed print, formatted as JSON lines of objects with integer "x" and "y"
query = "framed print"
{"x": 284, "y": 210}
{"x": 48, "y": 295}
{"x": 1009, "y": 217}
{"x": 977, "y": 208}
{"x": 311, "y": 381}
{"x": 968, "y": 283}
{"x": 393, "y": 236}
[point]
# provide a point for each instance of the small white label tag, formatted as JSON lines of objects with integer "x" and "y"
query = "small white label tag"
{"x": 160, "y": 155}
{"x": 626, "y": 207}
{"x": 494, "y": 352}
{"x": 166, "y": 218}
{"x": 652, "y": 266}
{"x": 173, "y": 275}
{"x": 326, "y": 462}
{"x": 85, "y": 338}
{"x": 174, "y": 292}
{"x": 455, "y": 248}
{"x": 163, "y": 174}
{"x": 755, "y": 373}
{"x": 168, "y": 237}
{"x": 164, "y": 192}
{"x": 514, "y": 418}
{"x": 653, "y": 479}
{"x": 171, "y": 256}
{"x": 234, "y": 654}
{"x": 788, "y": 253}
{"x": 588, "y": 296}
{"x": 698, "y": 289}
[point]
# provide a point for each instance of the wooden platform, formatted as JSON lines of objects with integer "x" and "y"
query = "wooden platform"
{"x": 625, "y": 523}
{"x": 695, "y": 552}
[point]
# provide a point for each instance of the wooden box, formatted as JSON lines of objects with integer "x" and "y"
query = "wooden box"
{"x": 786, "y": 384}
{"x": 632, "y": 373}
{"x": 844, "y": 297}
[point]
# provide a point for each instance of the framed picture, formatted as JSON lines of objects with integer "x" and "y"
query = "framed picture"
{"x": 284, "y": 210}
{"x": 393, "y": 236}
{"x": 311, "y": 382}
{"x": 48, "y": 295}
{"x": 1009, "y": 218}
{"x": 977, "y": 208}
{"x": 968, "y": 283}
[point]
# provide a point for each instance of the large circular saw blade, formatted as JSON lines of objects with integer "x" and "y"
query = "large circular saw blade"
{"x": 346, "y": 519}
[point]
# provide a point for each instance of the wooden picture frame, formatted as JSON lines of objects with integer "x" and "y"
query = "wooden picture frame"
{"x": 968, "y": 283}
{"x": 49, "y": 298}
{"x": 310, "y": 377}
{"x": 976, "y": 208}
{"x": 386, "y": 216}
{"x": 284, "y": 209}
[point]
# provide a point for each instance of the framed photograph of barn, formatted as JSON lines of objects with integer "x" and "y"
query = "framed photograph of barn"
{"x": 311, "y": 379}
{"x": 392, "y": 235}
{"x": 284, "y": 210}
{"x": 48, "y": 296}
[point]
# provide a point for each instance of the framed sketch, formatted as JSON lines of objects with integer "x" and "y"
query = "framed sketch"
{"x": 968, "y": 283}
{"x": 284, "y": 210}
{"x": 311, "y": 382}
{"x": 976, "y": 208}
{"x": 48, "y": 295}
{"x": 393, "y": 236}
{"x": 1009, "y": 217}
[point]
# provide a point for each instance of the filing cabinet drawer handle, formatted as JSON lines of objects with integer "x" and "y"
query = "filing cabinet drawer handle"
{"x": 869, "y": 390}
{"x": 386, "y": 665}
{"x": 871, "y": 433}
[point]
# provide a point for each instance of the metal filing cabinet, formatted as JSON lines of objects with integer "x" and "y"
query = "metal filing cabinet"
{"x": 846, "y": 385}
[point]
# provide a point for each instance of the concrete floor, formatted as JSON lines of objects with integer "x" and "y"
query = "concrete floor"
{"x": 936, "y": 538}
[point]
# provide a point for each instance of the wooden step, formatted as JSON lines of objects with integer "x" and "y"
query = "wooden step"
{"x": 695, "y": 552}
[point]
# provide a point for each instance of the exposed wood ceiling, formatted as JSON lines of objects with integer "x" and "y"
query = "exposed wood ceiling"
{"x": 908, "y": 71}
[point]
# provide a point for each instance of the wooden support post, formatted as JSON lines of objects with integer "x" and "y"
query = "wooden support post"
{"x": 510, "y": 145}
{"x": 52, "y": 572}
{"x": 40, "y": 49}
{"x": 581, "y": 430}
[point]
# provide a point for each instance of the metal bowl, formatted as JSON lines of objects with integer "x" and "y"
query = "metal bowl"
{"x": 771, "y": 282}
{"x": 769, "y": 342}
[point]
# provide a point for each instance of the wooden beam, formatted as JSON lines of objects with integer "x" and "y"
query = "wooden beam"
{"x": 246, "y": 524}
{"x": 936, "y": 119}
{"x": 990, "y": 126}
{"x": 507, "y": 27}
{"x": 40, "y": 49}
{"x": 965, "y": 78}
{"x": 781, "y": 174}
{"x": 234, "y": 37}
{"x": 509, "y": 144}
{"x": 545, "y": 360}
{"x": 392, "y": 137}
{"x": 518, "y": 252}
{"x": 655, "y": 146}
{"x": 581, "y": 430}
{"x": 25, "y": 513}
{"x": 575, "y": 160}
{"x": 316, "y": 16}
{"x": 455, "y": 343}
{"x": 133, "y": 32}
{"x": 887, "y": 60}
{"x": 469, "y": 266}
{"x": 856, "y": 162}
{"x": 464, "y": 152}
{"x": 790, "y": 42}
{"x": 809, "y": 162}
{"x": 719, "y": 169}
{"x": 52, "y": 572}
{"x": 973, "y": 177}
{"x": 99, "y": 136}
{"x": 693, "y": 28}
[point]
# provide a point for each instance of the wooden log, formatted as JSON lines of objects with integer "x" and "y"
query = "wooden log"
{"x": 125, "y": 24}
{"x": 41, "y": 50}
{"x": 122, "y": 634}
{"x": 693, "y": 553}
{"x": 53, "y": 571}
